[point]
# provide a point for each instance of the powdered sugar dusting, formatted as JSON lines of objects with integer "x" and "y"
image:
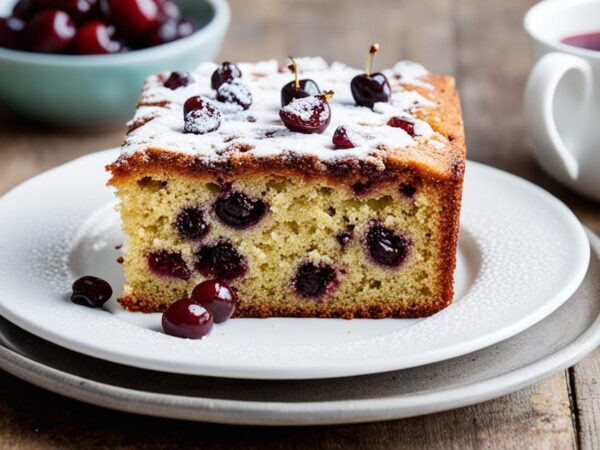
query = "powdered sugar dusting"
{"x": 304, "y": 108}
{"x": 235, "y": 92}
{"x": 410, "y": 72}
{"x": 260, "y": 131}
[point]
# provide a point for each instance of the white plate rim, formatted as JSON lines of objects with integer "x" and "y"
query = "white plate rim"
{"x": 301, "y": 413}
{"x": 340, "y": 369}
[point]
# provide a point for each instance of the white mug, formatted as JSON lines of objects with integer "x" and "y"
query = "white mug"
{"x": 562, "y": 97}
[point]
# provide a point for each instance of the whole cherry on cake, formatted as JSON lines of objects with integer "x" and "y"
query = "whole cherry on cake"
{"x": 297, "y": 88}
{"x": 225, "y": 73}
{"x": 178, "y": 79}
{"x": 307, "y": 115}
{"x": 370, "y": 88}
{"x": 201, "y": 115}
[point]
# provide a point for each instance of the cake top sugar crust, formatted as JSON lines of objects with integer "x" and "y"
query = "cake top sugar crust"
{"x": 428, "y": 100}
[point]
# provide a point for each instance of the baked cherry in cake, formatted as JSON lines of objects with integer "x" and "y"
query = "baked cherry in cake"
{"x": 404, "y": 123}
{"x": 344, "y": 238}
{"x": 308, "y": 114}
{"x": 178, "y": 79}
{"x": 191, "y": 223}
{"x": 217, "y": 297}
{"x": 313, "y": 280}
{"x": 220, "y": 260}
{"x": 385, "y": 246}
{"x": 49, "y": 31}
{"x": 297, "y": 88}
{"x": 186, "y": 318}
{"x": 239, "y": 210}
{"x": 235, "y": 92}
{"x": 201, "y": 115}
{"x": 91, "y": 291}
{"x": 340, "y": 138}
{"x": 225, "y": 73}
{"x": 168, "y": 264}
{"x": 370, "y": 88}
{"x": 408, "y": 190}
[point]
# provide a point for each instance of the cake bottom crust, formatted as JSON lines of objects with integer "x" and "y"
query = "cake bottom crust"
{"x": 416, "y": 310}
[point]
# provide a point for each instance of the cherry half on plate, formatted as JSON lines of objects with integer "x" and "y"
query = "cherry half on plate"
{"x": 370, "y": 88}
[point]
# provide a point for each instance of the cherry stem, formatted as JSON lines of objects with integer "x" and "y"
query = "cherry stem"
{"x": 374, "y": 49}
{"x": 326, "y": 95}
{"x": 294, "y": 67}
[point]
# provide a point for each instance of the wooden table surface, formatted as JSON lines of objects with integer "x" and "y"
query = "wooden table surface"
{"x": 482, "y": 44}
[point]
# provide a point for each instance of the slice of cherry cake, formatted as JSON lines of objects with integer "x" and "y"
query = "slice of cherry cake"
{"x": 307, "y": 203}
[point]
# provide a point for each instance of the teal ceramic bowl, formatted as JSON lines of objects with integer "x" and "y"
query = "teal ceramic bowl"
{"x": 102, "y": 90}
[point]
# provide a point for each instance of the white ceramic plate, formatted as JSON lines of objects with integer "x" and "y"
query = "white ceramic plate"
{"x": 522, "y": 253}
{"x": 553, "y": 344}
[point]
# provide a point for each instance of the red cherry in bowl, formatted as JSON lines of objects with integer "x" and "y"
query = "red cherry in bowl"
{"x": 80, "y": 10}
{"x": 133, "y": 18}
{"x": 217, "y": 297}
{"x": 169, "y": 31}
{"x": 307, "y": 115}
{"x": 168, "y": 10}
{"x": 297, "y": 88}
{"x": 187, "y": 319}
{"x": 24, "y": 9}
{"x": 95, "y": 38}
{"x": 50, "y": 31}
{"x": 370, "y": 88}
{"x": 225, "y": 73}
{"x": 10, "y": 31}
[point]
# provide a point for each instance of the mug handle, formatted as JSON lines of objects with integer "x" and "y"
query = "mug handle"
{"x": 539, "y": 104}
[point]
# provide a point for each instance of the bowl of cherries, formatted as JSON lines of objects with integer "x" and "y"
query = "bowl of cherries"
{"x": 82, "y": 63}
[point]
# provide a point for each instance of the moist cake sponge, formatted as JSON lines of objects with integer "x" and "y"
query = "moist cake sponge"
{"x": 297, "y": 227}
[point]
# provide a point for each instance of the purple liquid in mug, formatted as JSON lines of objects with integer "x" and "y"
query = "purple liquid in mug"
{"x": 589, "y": 41}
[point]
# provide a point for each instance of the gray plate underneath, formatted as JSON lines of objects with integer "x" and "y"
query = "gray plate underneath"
{"x": 552, "y": 345}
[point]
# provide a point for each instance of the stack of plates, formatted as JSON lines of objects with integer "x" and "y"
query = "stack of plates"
{"x": 526, "y": 306}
